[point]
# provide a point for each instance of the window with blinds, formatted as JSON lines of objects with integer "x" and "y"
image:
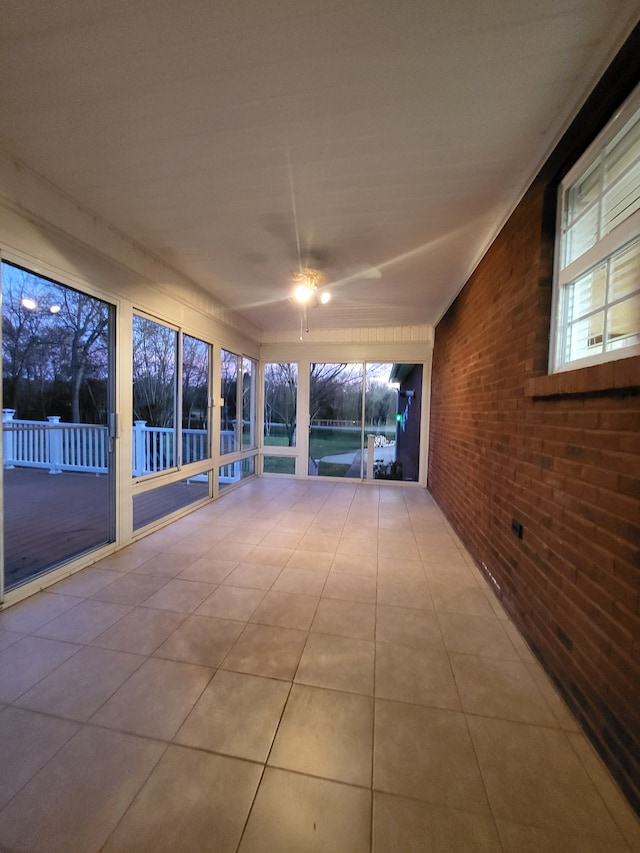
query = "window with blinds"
{"x": 597, "y": 286}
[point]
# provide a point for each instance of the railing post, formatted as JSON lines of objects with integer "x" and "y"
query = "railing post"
{"x": 371, "y": 440}
{"x": 8, "y": 456}
{"x": 55, "y": 444}
{"x": 139, "y": 449}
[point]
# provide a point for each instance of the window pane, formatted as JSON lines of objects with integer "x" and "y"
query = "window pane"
{"x": 229, "y": 426}
{"x": 583, "y": 194}
{"x": 156, "y": 503}
{"x": 585, "y": 336}
{"x": 280, "y": 395}
{"x": 154, "y": 396}
{"x": 623, "y": 324}
{"x": 236, "y": 471}
{"x": 195, "y": 399}
{"x": 581, "y": 236}
{"x": 622, "y": 176}
{"x": 335, "y": 420}
{"x": 249, "y": 370}
{"x": 624, "y": 275}
{"x": 587, "y": 293}
{"x": 279, "y": 465}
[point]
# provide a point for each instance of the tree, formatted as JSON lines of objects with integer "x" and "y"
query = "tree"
{"x": 55, "y": 347}
{"x": 280, "y": 392}
{"x": 154, "y": 372}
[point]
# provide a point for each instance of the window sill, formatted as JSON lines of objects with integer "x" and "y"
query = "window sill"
{"x": 610, "y": 376}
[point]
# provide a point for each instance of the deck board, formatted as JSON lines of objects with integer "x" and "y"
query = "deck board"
{"x": 52, "y": 518}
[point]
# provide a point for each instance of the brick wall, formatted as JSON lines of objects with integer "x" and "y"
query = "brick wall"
{"x": 561, "y": 456}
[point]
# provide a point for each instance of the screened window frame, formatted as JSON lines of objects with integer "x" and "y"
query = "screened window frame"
{"x": 179, "y": 463}
{"x": 606, "y": 248}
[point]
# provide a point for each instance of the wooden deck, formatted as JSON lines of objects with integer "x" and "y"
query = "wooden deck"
{"x": 49, "y": 519}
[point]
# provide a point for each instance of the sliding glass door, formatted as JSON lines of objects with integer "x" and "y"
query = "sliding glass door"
{"x": 364, "y": 420}
{"x": 57, "y": 424}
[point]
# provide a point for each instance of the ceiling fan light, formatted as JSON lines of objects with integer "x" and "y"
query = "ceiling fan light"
{"x": 302, "y": 293}
{"x": 325, "y": 296}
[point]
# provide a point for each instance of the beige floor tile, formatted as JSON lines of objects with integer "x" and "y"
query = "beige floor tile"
{"x": 29, "y": 615}
{"x": 297, "y": 521}
{"x": 265, "y": 555}
{"x": 517, "y": 838}
{"x": 266, "y": 650}
{"x": 78, "y": 687}
{"x": 83, "y": 623}
{"x": 128, "y": 559}
{"x": 253, "y": 576}
{"x": 476, "y": 635}
{"x": 282, "y": 539}
{"x": 78, "y": 797}
{"x": 28, "y": 741}
{"x": 165, "y": 564}
{"x": 87, "y": 582}
{"x": 426, "y": 754}
{"x": 141, "y": 631}
{"x": 245, "y": 534}
{"x": 8, "y": 638}
{"x": 396, "y": 549}
{"x": 319, "y": 817}
{"x": 237, "y": 715}
{"x": 404, "y": 592}
{"x": 325, "y": 733}
{"x": 500, "y": 688}
{"x": 286, "y": 610}
{"x": 155, "y": 701}
{"x": 419, "y": 675}
{"x": 191, "y": 801}
{"x": 350, "y": 588}
{"x": 180, "y": 596}
{"x": 311, "y": 560}
{"x": 534, "y": 777}
{"x": 231, "y": 602}
{"x": 208, "y": 570}
{"x": 339, "y": 663}
{"x": 408, "y": 626}
{"x": 519, "y": 643}
{"x": 301, "y": 581}
{"x": 345, "y": 619}
{"x": 360, "y": 546}
{"x": 230, "y": 550}
{"x": 563, "y": 715}
{"x": 24, "y": 663}
{"x": 622, "y": 813}
{"x": 130, "y": 589}
{"x": 407, "y": 826}
{"x": 203, "y": 640}
{"x": 317, "y": 539}
{"x": 395, "y": 567}
{"x": 353, "y": 564}
{"x": 449, "y": 597}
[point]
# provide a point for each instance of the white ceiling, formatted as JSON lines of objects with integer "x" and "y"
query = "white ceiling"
{"x": 393, "y": 136}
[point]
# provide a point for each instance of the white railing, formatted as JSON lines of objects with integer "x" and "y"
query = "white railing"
{"x": 85, "y": 447}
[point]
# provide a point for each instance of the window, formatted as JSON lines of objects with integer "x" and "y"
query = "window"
{"x": 280, "y": 393}
{"x": 238, "y": 414}
{"x": 167, "y": 418}
{"x": 597, "y": 296}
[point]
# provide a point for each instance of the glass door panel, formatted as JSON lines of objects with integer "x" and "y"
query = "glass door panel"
{"x": 392, "y": 432}
{"x": 335, "y": 420}
{"x": 57, "y": 356}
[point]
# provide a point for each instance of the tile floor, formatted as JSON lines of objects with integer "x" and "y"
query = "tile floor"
{"x": 296, "y": 667}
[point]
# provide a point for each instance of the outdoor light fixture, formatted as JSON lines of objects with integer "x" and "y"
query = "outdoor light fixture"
{"x": 31, "y": 305}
